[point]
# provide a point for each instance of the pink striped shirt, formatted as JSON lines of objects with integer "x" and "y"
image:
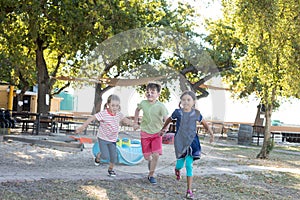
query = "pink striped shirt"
{"x": 109, "y": 125}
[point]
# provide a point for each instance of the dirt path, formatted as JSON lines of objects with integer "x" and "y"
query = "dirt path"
{"x": 21, "y": 161}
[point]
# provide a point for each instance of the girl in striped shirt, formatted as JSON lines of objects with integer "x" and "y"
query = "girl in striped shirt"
{"x": 108, "y": 130}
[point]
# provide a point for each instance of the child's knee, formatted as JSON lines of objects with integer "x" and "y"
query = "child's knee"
{"x": 179, "y": 163}
{"x": 104, "y": 157}
{"x": 147, "y": 156}
{"x": 155, "y": 155}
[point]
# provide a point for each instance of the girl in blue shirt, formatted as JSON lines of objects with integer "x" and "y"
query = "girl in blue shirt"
{"x": 186, "y": 141}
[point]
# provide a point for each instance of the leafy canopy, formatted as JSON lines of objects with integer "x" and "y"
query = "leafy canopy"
{"x": 268, "y": 62}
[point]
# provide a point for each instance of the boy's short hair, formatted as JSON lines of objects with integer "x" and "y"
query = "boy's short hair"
{"x": 153, "y": 86}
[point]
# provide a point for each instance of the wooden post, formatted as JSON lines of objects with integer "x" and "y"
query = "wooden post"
{"x": 10, "y": 102}
{"x": 10, "y": 98}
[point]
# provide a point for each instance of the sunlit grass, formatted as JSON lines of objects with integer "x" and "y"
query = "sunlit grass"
{"x": 287, "y": 148}
{"x": 95, "y": 191}
{"x": 273, "y": 185}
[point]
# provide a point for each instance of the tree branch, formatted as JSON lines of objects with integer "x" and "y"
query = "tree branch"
{"x": 62, "y": 88}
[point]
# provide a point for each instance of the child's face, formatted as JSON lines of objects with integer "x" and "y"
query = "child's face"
{"x": 187, "y": 102}
{"x": 114, "y": 106}
{"x": 152, "y": 95}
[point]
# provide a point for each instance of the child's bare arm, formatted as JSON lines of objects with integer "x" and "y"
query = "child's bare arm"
{"x": 205, "y": 125}
{"x": 165, "y": 127}
{"x": 127, "y": 121}
{"x": 131, "y": 123}
{"x": 85, "y": 124}
{"x": 136, "y": 119}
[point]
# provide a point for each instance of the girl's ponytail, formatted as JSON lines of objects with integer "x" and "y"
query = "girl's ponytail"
{"x": 105, "y": 106}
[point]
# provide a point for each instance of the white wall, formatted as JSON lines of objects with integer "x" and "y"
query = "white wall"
{"x": 218, "y": 105}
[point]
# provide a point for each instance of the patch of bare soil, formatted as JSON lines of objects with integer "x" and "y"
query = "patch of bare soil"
{"x": 225, "y": 171}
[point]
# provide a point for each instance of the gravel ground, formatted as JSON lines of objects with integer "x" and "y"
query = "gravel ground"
{"x": 224, "y": 172}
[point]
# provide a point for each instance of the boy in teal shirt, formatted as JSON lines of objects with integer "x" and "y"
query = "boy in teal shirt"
{"x": 154, "y": 115}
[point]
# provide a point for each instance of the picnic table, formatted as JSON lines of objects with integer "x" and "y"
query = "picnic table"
{"x": 54, "y": 122}
{"x": 69, "y": 123}
{"x": 219, "y": 127}
{"x": 28, "y": 120}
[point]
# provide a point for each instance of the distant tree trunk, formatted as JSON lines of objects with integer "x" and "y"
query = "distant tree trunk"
{"x": 44, "y": 98}
{"x": 267, "y": 143}
{"x": 97, "y": 99}
{"x": 182, "y": 83}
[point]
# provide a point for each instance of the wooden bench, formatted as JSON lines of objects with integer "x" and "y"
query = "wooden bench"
{"x": 287, "y": 136}
{"x": 288, "y": 133}
{"x": 290, "y": 136}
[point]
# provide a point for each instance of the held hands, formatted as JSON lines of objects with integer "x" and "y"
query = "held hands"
{"x": 135, "y": 126}
{"x": 162, "y": 132}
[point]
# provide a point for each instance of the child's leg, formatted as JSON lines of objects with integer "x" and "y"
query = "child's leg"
{"x": 113, "y": 155}
{"x": 97, "y": 159}
{"x": 189, "y": 182}
{"x": 189, "y": 171}
{"x": 146, "y": 146}
{"x": 103, "y": 145}
{"x": 153, "y": 164}
{"x": 151, "y": 148}
{"x": 98, "y": 155}
{"x": 156, "y": 150}
{"x": 179, "y": 163}
{"x": 178, "y": 167}
{"x": 189, "y": 192}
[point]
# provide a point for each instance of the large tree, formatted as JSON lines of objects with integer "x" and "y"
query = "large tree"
{"x": 133, "y": 54}
{"x": 50, "y": 33}
{"x": 129, "y": 53}
{"x": 59, "y": 34}
{"x": 269, "y": 67}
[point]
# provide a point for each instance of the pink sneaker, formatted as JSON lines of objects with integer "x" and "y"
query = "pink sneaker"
{"x": 189, "y": 194}
{"x": 177, "y": 173}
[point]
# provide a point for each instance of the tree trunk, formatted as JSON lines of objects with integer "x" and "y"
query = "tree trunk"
{"x": 97, "y": 99}
{"x": 182, "y": 83}
{"x": 267, "y": 143}
{"x": 99, "y": 91}
{"x": 43, "y": 101}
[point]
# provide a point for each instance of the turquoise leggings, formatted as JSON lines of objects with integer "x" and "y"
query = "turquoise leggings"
{"x": 188, "y": 160}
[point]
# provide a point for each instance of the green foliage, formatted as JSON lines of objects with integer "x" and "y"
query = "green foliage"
{"x": 268, "y": 66}
{"x": 150, "y": 60}
{"x": 44, "y": 39}
{"x": 267, "y": 63}
{"x": 51, "y": 38}
{"x": 224, "y": 47}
